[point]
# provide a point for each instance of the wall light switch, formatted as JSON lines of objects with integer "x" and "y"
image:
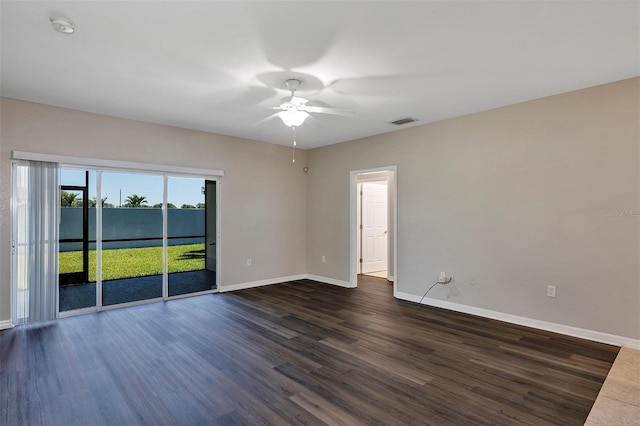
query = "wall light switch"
{"x": 551, "y": 290}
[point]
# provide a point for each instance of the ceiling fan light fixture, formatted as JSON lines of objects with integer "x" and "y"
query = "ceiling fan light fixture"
{"x": 293, "y": 117}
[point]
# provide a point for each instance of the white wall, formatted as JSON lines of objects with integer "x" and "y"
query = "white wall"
{"x": 518, "y": 197}
{"x": 263, "y": 193}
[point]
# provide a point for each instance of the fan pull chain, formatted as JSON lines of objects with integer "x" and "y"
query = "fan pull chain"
{"x": 294, "y": 143}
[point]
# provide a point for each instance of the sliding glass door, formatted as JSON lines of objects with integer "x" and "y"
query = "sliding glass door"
{"x": 77, "y": 256}
{"x": 132, "y": 238}
{"x": 188, "y": 241}
{"x": 149, "y": 237}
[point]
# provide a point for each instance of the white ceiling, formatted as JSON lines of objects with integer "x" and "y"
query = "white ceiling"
{"x": 218, "y": 66}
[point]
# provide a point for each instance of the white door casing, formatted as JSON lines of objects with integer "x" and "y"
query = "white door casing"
{"x": 374, "y": 226}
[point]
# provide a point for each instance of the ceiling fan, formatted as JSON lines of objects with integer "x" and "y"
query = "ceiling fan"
{"x": 295, "y": 111}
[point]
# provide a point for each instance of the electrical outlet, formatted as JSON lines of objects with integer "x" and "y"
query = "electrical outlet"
{"x": 444, "y": 279}
{"x": 551, "y": 290}
{"x": 324, "y": 259}
{"x": 249, "y": 262}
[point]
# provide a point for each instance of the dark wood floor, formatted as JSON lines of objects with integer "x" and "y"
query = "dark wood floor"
{"x": 295, "y": 353}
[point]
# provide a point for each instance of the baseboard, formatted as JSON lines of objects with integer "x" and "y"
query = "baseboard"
{"x": 5, "y": 325}
{"x": 260, "y": 283}
{"x": 332, "y": 281}
{"x": 582, "y": 333}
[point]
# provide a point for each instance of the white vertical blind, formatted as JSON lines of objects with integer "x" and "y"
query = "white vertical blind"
{"x": 35, "y": 241}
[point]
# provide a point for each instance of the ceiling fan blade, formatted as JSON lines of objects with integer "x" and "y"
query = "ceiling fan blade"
{"x": 333, "y": 111}
{"x": 267, "y": 118}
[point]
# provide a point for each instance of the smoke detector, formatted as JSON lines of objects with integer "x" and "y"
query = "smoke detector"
{"x": 62, "y": 25}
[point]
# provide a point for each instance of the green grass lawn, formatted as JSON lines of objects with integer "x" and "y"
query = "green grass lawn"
{"x": 135, "y": 262}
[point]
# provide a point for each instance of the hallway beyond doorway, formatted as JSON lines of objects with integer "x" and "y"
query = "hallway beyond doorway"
{"x": 378, "y": 274}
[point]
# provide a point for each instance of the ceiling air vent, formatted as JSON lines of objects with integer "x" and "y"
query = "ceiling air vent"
{"x": 404, "y": 121}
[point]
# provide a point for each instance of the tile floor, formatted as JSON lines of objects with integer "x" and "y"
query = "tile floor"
{"x": 379, "y": 274}
{"x": 618, "y": 402}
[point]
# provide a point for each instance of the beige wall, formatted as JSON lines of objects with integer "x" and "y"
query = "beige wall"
{"x": 263, "y": 193}
{"x": 518, "y": 197}
{"x": 543, "y": 192}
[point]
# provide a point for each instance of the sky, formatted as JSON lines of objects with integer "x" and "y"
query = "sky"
{"x": 179, "y": 190}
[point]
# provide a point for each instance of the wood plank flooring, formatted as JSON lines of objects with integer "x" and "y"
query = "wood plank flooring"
{"x": 295, "y": 353}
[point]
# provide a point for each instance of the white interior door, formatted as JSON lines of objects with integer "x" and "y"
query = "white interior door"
{"x": 374, "y": 226}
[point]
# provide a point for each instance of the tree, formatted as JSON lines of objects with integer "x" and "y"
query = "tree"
{"x": 105, "y": 205}
{"x": 200, "y": 206}
{"x": 169, "y": 206}
{"x": 69, "y": 199}
{"x": 135, "y": 201}
{"x": 187, "y": 206}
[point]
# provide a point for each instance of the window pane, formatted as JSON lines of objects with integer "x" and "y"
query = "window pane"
{"x": 76, "y": 258}
{"x": 132, "y": 256}
{"x": 186, "y": 252}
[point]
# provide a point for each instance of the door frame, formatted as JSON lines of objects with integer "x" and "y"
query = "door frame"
{"x": 392, "y": 212}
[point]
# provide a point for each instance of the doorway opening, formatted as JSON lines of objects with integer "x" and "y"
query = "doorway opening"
{"x": 373, "y": 227}
{"x": 373, "y": 224}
